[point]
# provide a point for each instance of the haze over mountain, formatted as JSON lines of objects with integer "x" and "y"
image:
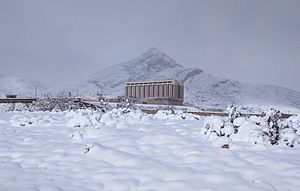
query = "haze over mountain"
{"x": 11, "y": 84}
{"x": 201, "y": 88}
{"x": 253, "y": 41}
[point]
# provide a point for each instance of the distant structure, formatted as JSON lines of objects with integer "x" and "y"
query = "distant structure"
{"x": 11, "y": 96}
{"x": 111, "y": 98}
{"x": 99, "y": 97}
{"x": 167, "y": 92}
{"x": 93, "y": 96}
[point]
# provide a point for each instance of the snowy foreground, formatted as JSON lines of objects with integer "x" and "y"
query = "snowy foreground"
{"x": 86, "y": 150}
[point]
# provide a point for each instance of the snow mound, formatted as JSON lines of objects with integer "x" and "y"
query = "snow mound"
{"x": 83, "y": 118}
{"x": 33, "y": 120}
{"x": 117, "y": 118}
{"x": 121, "y": 118}
{"x": 76, "y": 137}
{"x": 3, "y": 122}
{"x": 112, "y": 156}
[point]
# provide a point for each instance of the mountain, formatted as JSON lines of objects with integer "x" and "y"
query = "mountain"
{"x": 10, "y": 84}
{"x": 201, "y": 89}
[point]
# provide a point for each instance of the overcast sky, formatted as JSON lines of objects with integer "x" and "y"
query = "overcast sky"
{"x": 67, "y": 41}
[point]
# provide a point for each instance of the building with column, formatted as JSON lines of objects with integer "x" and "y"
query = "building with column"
{"x": 156, "y": 91}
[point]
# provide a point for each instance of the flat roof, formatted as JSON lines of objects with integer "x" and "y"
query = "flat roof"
{"x": 152, "y": 81}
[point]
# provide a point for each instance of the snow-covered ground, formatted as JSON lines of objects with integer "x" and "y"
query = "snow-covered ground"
{"x": 87, "y": 150}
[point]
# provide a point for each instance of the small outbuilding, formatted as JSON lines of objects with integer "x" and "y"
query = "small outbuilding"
{"x": 11, "y": 96}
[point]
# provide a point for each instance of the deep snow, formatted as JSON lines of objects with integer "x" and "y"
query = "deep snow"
{"x": 117, "y": 150}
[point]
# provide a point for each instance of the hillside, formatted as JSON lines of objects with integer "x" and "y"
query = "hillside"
{"x": 201, "y": 88}
{"x": 10, "y": 84}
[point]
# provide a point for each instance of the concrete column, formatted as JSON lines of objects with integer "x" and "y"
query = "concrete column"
{"x": 161, "y": 91}
{"x": 142, "y": 91}
{"x": 166, "y": 91}
{"x": 137, "y": 91}
{"x": 151, "y": 90}
{"x": 170, "y": 90}
{"x": 156, "y": 91}
{"x": 147, "y": 94}
{"x": 128, "y": 91}
{"x": 133, "y": 91}
{"x": 174, "y": 91}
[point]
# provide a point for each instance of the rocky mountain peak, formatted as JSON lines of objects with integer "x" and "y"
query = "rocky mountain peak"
{"x": 154, "y": 51}
{"x": 153, "y": 60}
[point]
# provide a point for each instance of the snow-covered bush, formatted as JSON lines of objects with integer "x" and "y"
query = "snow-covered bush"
{"x": 233, "y": 113}
{"x": 54, "y": 104}
{"x": 116, "y": 118}
{"x": 250, "y": 130}
{"x": 271, "y": 129}
{"x": 174, "y": 114}
{"x": 216, "y": 127}
{"x": 126, "y": 104}
{"x": 13, "y": 107}
{"x": 273, "y": 118}
{"x": 45, "y": 104}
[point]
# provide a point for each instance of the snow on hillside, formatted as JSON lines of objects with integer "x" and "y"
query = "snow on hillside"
{"x": 116, "y": 150}
{"x": 153, "y": 64}
{"x": 10, "y": 84}
{"x": 201, "y": 89}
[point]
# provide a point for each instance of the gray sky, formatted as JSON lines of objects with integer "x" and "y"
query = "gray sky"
{"x": 252, "y": 41}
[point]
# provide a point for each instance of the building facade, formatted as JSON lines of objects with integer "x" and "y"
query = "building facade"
{"x": 156, "y": 91}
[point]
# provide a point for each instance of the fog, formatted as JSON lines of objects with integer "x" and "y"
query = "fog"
{"x": 65, "y": 42}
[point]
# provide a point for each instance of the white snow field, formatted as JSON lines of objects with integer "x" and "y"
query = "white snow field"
{"x": 84, "y": 150}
